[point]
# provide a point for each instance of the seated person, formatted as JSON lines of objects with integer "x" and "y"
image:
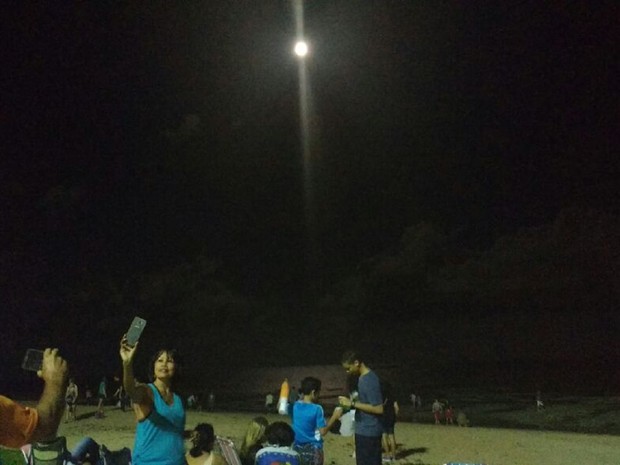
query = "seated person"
{"x": 253, "y": 440}
{"x": 278, "y": 450}
{"x": 201, "y": 453}
{"x": 21, "y": 425}
{"x": 86, "y": 452}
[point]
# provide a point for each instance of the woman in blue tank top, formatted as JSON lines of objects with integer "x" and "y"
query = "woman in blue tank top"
{"x": 160, "y": 412}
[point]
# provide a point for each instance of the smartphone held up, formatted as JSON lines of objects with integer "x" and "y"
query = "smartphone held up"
{"x": 135, "y": 330}
{"x": 33, "y": 360}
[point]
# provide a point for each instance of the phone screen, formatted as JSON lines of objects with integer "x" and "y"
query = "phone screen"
{"x": 33, "y": 360}
{"x": 135, "y": 330}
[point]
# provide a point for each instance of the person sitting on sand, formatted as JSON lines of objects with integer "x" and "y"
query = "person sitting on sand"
{"x": 201, "y": 453}
{"x": 280, "y": 437}
{"x": 253, "y": 440}
{"x": 461, "y": 419}
{"x": 86, "y": 452}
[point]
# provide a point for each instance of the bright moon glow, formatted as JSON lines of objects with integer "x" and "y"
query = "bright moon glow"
{"x": 301, "y": 49}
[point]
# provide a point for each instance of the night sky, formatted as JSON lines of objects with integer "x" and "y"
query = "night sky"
{"x": 135, "y": 137}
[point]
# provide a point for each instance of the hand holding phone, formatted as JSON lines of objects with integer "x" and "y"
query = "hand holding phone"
{"x": 33, "y": 360}
{"x": 135, "y": 330}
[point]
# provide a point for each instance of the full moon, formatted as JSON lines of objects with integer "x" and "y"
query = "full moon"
{"x": 301, "y": 48}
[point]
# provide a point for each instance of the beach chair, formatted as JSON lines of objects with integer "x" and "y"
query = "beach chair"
{"x": 48, "y": 453}
{"x": 227, "y": 448}
{"x": 11, "y": 457}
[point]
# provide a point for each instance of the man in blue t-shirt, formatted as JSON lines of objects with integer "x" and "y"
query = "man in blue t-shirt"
{"x": 368, "y": 409}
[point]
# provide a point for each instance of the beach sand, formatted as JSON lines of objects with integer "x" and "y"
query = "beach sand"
{"x": 418, "y": 443}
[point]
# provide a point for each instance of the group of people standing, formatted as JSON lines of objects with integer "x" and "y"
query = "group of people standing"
{"x": 375, "y": 415}
{"x": 160, "y": 413}
{"x": 442, "y": 409}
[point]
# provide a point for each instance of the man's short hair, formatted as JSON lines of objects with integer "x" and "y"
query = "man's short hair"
{"x": 310, "y": 384}
{"x": 351, "y": 356}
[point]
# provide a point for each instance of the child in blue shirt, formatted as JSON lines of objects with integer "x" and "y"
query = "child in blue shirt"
{"x": 309, "y": 423}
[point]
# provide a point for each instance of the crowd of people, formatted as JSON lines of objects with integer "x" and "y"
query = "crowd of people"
{"x": 161, "y": 437}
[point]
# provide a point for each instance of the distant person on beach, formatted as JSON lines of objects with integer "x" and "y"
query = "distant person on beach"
{"x": 21, "y": 425}
{"x": 437, "y": 409}
{"x": 269, "y": 402}
{"x": 119, "y": 394}
{"x": 253, "y": 440}
{"x": 309, "y": 423}
{"x": 368, "y": 409}
{"x": 449, "y": 414}
{"x": 158, "y": 408}
{"x": 388, "y": 421}
{"x": 88, "y": 396}
{"x": 202, "y": 439}
{"x": 539, "y": 402}
{"x": 102, "y": 395}
{"x": 71, "y": 396}
{"x": 278, "y": 449}
{"x": 415, "y": 399}
{"x": 293, "y": 396}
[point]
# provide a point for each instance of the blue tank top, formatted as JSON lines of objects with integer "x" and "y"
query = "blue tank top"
{"x": 159, "y": 437}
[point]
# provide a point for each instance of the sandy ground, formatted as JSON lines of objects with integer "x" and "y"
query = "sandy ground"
{"x": 418, "y": 444}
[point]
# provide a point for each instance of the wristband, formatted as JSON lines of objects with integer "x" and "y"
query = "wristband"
{"x": 352, "y": 404}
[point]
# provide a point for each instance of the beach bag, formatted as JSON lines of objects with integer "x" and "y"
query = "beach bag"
{"x": 117, "y": 457}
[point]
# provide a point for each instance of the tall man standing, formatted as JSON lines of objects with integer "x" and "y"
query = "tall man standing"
{"x": 368, "y": 409}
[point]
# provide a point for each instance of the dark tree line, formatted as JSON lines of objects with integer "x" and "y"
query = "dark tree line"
{"x": 544, "y": 294}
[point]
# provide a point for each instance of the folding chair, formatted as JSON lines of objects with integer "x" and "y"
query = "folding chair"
{"x": 49, "y": 453}
{"x": 11, "y": 457}
{"x": 227, "y": 448}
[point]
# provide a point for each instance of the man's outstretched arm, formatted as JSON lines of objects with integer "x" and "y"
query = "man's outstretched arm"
{"x": 51, "y": 405}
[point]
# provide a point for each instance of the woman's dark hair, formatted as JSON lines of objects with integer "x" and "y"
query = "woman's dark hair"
{"x": 279, "y": 433}
{"x": 178, "y": 364}
{"x": 203, "y": 440}
{"x": 310, "y": 384}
